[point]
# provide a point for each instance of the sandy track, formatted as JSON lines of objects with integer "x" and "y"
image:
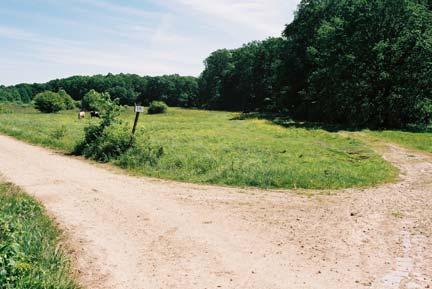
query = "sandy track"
{"x": 134, "y": 233}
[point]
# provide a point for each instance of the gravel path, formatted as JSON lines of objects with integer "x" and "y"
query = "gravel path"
{"x": 134, "y": 233}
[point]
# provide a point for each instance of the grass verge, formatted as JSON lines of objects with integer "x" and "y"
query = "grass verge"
{"x": 30, "y": 256}
{"x": 417, "y": 140}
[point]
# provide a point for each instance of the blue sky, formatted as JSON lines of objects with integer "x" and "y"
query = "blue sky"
{"x": 46, "y": 39}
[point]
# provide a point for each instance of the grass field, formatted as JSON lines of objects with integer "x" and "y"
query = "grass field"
{"x": 217, "y": 148}
{"x": 417, "y": 140}
{"x": 29, "y": 253}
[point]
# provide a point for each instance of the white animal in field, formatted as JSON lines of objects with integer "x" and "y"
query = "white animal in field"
{"x": 81, "y": 114}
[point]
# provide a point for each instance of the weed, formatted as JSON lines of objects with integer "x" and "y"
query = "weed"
{"x": 59, "y": 133}
{"x": 397, "y": 214}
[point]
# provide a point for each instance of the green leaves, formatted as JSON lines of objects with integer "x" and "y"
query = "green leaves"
{"x": 367, "y": 62}
{"x": 157, "y": 107}
{"x": 95, "y": 101}
{"x": 49, "y": 102}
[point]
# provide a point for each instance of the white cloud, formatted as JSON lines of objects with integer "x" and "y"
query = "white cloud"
{"x": 264, "y": 17}
{"x": 104, "y": 36}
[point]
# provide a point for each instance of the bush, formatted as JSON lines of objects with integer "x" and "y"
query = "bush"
{"x": 105, "y": 140}
{"x": 67, "y": 99}
{"x": 108, "y": 139}
{"x": 95, "y": 101}
{"x": 49, "y": 102}
{"x": 111, "y": 140}
{"x": 109, "y": 143}
{"x": 77, "y": 104}
{"x": 157, "y": 107}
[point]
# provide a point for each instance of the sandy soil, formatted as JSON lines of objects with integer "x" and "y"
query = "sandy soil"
{"x": 135, "y": 233}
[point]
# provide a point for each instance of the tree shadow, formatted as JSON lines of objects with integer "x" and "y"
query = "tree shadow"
{"x": 288, "y": 122}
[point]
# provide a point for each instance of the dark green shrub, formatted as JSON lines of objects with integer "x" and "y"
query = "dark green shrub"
{"x": 95, "y": 101}
{"x": 157, "y": 107}
{"x": 77, "y": 103}
{"x": 111, "y": 140}
{"x": 108, "y": 144}
{"x": 107, "y": 139}
{"x": 68, "y": 100}
{"x": 49, "y": 102}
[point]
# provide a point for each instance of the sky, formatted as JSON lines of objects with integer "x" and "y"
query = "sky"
{"x": 42, "y": 40}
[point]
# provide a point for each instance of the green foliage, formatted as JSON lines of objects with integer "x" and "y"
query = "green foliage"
{"x": 369, "y": 61}
{"x": 68, "y": 100}
{"x": 366, "y": 63}
{"x": 49, "y": 102}
{"x": 242, "y": 79}
{"x": 362, "y": 63}
{"x": 107, "y": 139}
{"x": 106, "y": 144}
{"x": 9, "y": 94}
{"x": 157, "y": 107}
{"x": 29, "y": 253}
{"x": 111, "y": 140}
{"x": 175, "y": 90}
{"x": 95, "y": 101}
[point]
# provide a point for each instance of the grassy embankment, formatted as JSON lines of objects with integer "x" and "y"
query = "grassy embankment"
{"x": 417, "y": 140}
{"x": 213, "y": 147}
{"x": 29, "y": 253}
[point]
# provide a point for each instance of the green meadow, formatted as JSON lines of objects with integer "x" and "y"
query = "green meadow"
{"x": 218, "y": 148}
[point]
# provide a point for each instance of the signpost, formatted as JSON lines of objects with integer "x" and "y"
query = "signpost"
{"x": 138, "y": 109}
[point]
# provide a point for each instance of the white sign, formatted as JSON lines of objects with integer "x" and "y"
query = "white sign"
{"x": 139, "y": 108}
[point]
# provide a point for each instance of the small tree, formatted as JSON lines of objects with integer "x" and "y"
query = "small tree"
{"x": 49, "y": 102}
{"x": 68, "y": 100}
{"x": 95, "y": 101}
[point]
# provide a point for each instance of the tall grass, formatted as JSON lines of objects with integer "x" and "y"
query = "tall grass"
{"x": 218, "y": 148}
{"x": 29, "y": 253}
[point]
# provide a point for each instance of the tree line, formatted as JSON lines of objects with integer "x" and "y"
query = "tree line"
{"x": 355, "y": 62}
{"x": 175, "y": 90}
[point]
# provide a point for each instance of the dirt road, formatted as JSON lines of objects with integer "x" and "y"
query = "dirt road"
{"x": 135, "y": 233}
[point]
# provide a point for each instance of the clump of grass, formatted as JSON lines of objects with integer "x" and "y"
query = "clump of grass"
{"x": 397, "y": 214}
{"x": 29, "y": 252}
{"x": 59, "y": 133}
